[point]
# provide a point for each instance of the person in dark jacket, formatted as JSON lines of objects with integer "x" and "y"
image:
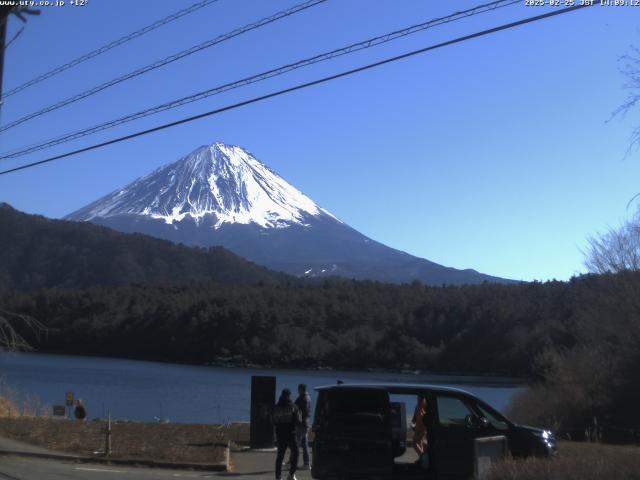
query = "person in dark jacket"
{"x": 80, "y": 412}
{"x": 286, "y": 418}
{"x": 303, "y": 402}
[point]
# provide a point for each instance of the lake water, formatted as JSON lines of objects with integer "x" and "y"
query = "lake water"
{"x": 148, "y": 391}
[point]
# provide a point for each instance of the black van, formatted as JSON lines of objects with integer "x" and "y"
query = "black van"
{"x": 360, "y": 432}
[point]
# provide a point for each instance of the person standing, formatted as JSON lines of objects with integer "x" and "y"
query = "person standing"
{"x": 286, "y": 418}
{"x": 80, "y": 412}
{"x": 303, "y": 402}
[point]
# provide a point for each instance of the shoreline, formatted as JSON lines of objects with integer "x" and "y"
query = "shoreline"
{"x": 152, "y": 391}
{"x": 460, "y": 377}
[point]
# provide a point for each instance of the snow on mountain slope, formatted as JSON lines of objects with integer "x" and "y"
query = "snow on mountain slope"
{"x": 220, "y": 195}
{"x": 221, "y": 180}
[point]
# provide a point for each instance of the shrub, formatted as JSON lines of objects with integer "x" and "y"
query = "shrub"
{"x": 576, "y": 461}
{"x": 8, "y": 408}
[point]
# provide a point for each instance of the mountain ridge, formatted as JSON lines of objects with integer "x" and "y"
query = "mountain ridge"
{"x": 38, "y": 252}
{"x": 222, "y": 195}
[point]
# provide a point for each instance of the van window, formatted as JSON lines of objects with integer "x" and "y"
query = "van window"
{"x": 321, "y": 409}
{"x": 398, "y": 412}
{"x": 452, "y": 411}
{"x": 354, "y": 401}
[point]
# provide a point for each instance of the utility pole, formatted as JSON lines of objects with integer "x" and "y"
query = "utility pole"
{"x": 4, "y": 20}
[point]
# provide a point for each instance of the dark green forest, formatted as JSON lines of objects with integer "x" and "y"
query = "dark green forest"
{"x": 483, "y": 329}
{"x": 488, "y": 329}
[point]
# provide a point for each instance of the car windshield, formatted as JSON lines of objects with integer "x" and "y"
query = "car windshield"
{"x": 495, "y": 421}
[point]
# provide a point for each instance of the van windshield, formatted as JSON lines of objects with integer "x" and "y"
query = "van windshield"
{"x": 495, "y": 421}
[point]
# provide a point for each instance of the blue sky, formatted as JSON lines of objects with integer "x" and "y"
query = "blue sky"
{"x": 494, "y": 154}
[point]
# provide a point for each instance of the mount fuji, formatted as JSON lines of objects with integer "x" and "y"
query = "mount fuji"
{"x": 222, "y": 195}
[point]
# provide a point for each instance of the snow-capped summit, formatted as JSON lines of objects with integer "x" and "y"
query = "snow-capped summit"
{"x": 222, "y": 195}
{"x": 220, "y": 180}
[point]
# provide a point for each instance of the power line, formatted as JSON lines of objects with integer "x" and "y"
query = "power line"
{"x": 166, "y": 61}
{"x": 302, "y": 86}
{"x": 13, "y": 39}
{"x": 105, "y": 48}
{"x": 371, "y": 42}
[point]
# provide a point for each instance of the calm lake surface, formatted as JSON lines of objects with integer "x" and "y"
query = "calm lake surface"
{"x": 147, "y": 391}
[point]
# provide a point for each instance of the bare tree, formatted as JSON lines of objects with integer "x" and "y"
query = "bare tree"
{"x": 630, "y": 67}
{"x": 11, "y": 326}
{"x": 616, "y": 250}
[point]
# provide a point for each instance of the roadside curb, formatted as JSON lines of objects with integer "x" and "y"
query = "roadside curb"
{"x": 210, "y": 467}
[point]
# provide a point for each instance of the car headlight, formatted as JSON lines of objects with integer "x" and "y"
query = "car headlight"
{"x": 545, "y": 434}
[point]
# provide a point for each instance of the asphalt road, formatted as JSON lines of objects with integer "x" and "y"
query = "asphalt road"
{"x": 22, "y": 468}
{"x": 249, "y": 466}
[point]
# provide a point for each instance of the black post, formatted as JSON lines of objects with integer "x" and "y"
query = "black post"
{"x": 19, "y": 12}
{"x": 263, "y": 398}
{"x": 4, "y": 20}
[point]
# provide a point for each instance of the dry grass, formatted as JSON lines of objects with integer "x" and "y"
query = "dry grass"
{"x": 11, "y": 405}
{"x": 576, "y": 461}
{"x": 8, "y": 408}
{"x": 170, "y": 442}
{"x": 30, "y": 421}
{"x": 32, "y": 406}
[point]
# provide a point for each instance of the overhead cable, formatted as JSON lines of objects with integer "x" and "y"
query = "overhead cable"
{"x": 371, "y": 42}
{"x": 165, "y": 61}
{"x": 301, "y": 86}
{"x": 105, "y": 48}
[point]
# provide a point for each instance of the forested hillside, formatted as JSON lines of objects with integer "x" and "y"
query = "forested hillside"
{"x": 36, "y": 252}
{"x": 483, "y": 329}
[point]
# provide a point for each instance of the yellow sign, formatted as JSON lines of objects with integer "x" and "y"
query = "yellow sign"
{"x": 69, "y": 399}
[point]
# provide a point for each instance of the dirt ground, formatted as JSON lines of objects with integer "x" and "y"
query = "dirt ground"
{"x": 170, "y": 442}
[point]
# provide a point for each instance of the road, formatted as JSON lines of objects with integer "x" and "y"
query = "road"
{"x": 247, "y": 466}
{"x": 22, "y": 468}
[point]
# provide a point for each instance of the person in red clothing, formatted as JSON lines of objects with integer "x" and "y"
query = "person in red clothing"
{"x": 419, "y": 429}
